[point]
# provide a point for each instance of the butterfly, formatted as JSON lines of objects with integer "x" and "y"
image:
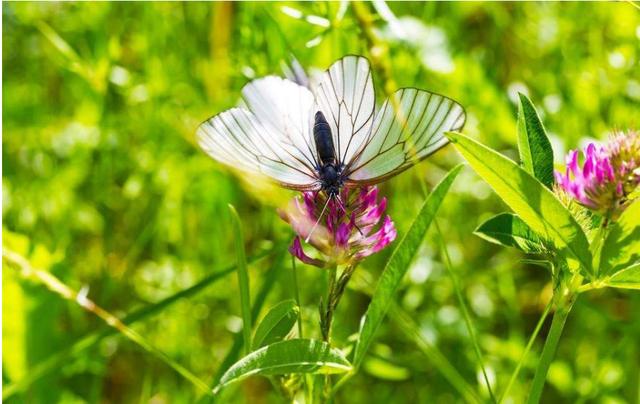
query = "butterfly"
{"x": 328, "y": 135}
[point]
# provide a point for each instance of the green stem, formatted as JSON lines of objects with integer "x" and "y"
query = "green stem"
{"x": 326, "y": 314}
{"x": 549, "y": 350}
{"x": 335, "y": 290}
{"x": 306, "y": 379}
{"x": 532, "y": 338}
{"x": 296, "y": 294}
{"x": 322, "y": 384}
{"x": 243, "y": 280}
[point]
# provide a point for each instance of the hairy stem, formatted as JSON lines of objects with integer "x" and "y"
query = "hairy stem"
{"x": 335, "y": 290}
{"x": 326, "y": 309}
{"x": 337, "y": 286}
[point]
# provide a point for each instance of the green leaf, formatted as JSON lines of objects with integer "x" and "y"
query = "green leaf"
{"x": 398, "y": 264}
{"x": 535, "y": 149}
{"x": 536, "y": 205}
{"x": 276, "y": 324}
{"x": 509, "y": 230}
{"x": 621, "y": 248}
{"x": 243, "y": 278}
{"x": 284, "y": 357}
{"x": 628, "y": 278}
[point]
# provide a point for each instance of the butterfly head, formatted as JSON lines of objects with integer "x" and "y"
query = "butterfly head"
{"x": 331, "y": 179}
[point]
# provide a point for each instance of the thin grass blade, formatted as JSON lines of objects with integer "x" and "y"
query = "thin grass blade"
{"x": 398, "y": 265}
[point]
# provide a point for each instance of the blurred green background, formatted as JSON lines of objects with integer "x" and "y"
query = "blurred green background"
{"x": 104, "y": 187}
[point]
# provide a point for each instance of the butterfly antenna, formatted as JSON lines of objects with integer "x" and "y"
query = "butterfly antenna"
{"x": 339, "y": 199}
{"x": 306, "y": 240}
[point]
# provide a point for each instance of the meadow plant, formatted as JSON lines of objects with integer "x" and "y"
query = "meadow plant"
{"x": 584, "y": 250}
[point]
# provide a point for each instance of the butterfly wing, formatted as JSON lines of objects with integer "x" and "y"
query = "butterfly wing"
{"x": 272, "y": 137}
{"x": 409, "y": 127}
{"x": 346, "y": 97}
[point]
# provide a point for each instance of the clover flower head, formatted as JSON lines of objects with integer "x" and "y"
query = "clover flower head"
{"x": 351, "y": 228}
{"x": 607, "y": 176}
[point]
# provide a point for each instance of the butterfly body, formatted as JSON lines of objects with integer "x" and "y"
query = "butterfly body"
{"x": 329, "y": 169}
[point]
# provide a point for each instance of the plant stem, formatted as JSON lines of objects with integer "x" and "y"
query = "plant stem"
{"x": 532, "y": 338}
{"x": 296, "y": 294}
{"x": 306, "y": 379}
{"x": 550, "y": 347}
{"x": 323, "y": 384}
{"x": 335, "y": 290}
{"x": 326, "y": 314}
{"x": 243, "y": 280}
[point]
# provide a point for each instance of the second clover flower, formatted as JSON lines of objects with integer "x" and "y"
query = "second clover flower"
{"x": 350, "y": 229}
{"x": 608, "y": 176}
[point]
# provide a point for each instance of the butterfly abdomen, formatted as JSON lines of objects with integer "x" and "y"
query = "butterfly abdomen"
{"x": 324, "y": 140}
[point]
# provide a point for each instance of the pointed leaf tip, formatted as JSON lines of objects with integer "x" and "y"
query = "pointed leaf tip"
{"x": 534, "y": 203}
{"x": 286, "y": 357}
{"x": 276, "y": 324}
{"x": 536, "y": 154}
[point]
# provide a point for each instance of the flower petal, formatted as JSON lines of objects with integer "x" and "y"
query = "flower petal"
{"x": 297, "y": 251}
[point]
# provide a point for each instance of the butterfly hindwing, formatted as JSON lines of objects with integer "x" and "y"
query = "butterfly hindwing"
{"x": 410, "y": 126}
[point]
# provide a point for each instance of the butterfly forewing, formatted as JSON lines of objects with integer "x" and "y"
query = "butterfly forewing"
{"x": 272, "y": 140}
{"x": 346, "y": 97}
{"x": 286, "y": 109}
{"x": 410, "y": 126}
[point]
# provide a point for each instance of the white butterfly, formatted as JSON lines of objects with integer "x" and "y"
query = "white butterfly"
{"x": 329, "y": 136}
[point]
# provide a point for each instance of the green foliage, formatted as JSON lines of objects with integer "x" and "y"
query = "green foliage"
{"x": 525, "y": 192}
{"x": 509, "y": 230}
{"x": 628, "y": 278}
{"x": 621, "y": 248}
{"x": 276, "y": 324}
{"x": 530, "y": 199}
{"x": 284, "y": 357}
{"x": 535, "y": 150}
{"x": 104, "y": 184}
{"x": 398, "y": 265}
